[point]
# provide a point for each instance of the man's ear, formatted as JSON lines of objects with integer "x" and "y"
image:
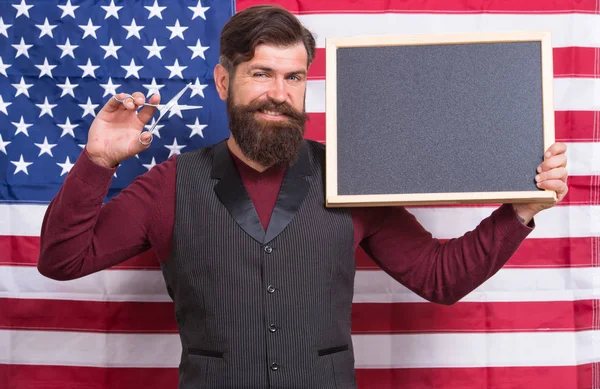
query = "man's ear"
{"x": 221, "y": 81}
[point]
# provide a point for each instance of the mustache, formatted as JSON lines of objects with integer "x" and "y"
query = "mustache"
{"x": 270, "y": 105}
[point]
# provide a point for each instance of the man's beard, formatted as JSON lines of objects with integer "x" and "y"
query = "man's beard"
{"x": 267, "y": 142}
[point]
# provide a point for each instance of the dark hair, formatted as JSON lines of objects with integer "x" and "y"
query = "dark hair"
{"x": 262, "y": 24}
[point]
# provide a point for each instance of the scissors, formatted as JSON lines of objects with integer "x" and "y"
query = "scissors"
{"x": 162, "y": 109}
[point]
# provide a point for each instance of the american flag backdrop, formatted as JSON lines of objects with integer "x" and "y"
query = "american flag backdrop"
{"x": 536, "y": 324}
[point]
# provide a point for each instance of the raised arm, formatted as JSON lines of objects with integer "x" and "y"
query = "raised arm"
{"x": 79, "y": 235}
{"x": 444, "y": 272}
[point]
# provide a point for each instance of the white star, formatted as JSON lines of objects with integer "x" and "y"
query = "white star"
{"x": 148, "y": 165}
{"x": 46, "y": 28}
{"x": 22, "y": 9}
{"x": 154, "y": 50}
{"x": 199, "y": 10}
{"x": 88, "y": 69}
{"x": 3, "y": 106}
{"x": 68, "y": 128}
{"x": 197, "y": 88}
{"x": 155, "y": 10}
{"x": 22, "y": 127}
{"x": 156, "y": 129}
{"x": 66, "y": 167}
{"x": 88, "y": 108}
{"x": 110, "y": 88}
{"x": 45, "y": 148}
{"x": 3, "y": 67}
{"x": 177, "y": 30}
{"x": 177, "y": 108}
{"x": 133, "y": 30}
{"x": 153, "y": 88}
{"x": 22, "y": 48}
{"x": 132, "y": 69}
{"x": 175, "y": 148}
{"x": 67, "y": 49}
{"x": 176, "y": 69}
{"x": 46, "y": 108}
{"x": 196, "y": 128}
{"x": 45, "y": 69}
{"x": 89, "y": 29}
{"x": 68, "y": 9}
{"x": 3, "y": 145}
{"x": 4, "y": 27}
{"x": 21, "y": 165}
{"x": 198, "y": 50}
{"x": 111, "y": 49}
{"x": 22, "y": 88}
{"x": 67, "y": 88}
{"x": 111, "y": 10}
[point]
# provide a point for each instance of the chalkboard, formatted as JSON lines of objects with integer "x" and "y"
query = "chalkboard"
{"x": 426, "y": 119}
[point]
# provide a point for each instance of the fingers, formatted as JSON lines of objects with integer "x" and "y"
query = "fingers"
{"x": 555, "y": 149}
{"x": 559, "y": 173}
{"x": 147, "y": 112}
{"x": 124, "y": 100}
{"x": 145, "y": 137}
{"x": 553, "y": 162}
{"x": 559, "y": 186}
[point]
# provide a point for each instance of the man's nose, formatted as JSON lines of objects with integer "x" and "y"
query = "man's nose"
{"x": 277, "y": 91}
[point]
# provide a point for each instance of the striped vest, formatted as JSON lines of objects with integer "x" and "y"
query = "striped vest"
{"x": 260, "y": 309}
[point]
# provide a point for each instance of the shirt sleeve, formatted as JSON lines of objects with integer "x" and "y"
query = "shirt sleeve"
{"x": 81, "y": 236}
{"x": 441, "y": 272}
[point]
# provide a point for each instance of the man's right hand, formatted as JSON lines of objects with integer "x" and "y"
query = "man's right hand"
{"x": 113, "y": 135}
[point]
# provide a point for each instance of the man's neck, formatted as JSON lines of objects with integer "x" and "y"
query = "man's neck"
{"x": 235, "y": 149}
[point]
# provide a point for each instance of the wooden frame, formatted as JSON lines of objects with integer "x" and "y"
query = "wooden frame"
{"x": 333, "y": 199}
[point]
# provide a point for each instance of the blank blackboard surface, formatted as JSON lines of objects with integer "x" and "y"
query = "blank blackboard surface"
{"x": 464, "y": 121}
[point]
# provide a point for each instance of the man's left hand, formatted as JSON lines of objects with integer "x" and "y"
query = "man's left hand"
{"x": 552, "y": 175}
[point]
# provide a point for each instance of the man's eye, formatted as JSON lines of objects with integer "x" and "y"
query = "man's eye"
{"x": 295, "y": 78}
{"x": 260, "y": 74}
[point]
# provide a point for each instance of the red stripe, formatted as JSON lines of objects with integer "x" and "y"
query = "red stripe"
{"x": 568, "y": 62}
{"x": 533, "y": 253}
{"x": 399, "y": 318}
{"x": 555, "y": 377}
{"x": 75, "y": 377}
{"x": 570, "y": 126}
{"x": 555, "y": 252}
{"x": 418, "y": 6}
{"x": 367, "y": 318}
{"x": 576, "y": 126}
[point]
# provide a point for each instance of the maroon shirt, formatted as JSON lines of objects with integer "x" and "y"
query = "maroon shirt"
{"x": 80, "y": 235}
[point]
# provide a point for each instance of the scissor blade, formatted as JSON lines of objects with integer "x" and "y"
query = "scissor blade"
{"x": 175, "y": 98}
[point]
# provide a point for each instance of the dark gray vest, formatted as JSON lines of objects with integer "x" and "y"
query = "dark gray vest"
{"x": 260, "y": 309}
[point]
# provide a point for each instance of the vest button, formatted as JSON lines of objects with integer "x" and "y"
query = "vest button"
{"x": 274, "y": 366}
{"x": 270, "y": 289}
{"x": 272, "y": 328}
{"x": 268, "y": 249}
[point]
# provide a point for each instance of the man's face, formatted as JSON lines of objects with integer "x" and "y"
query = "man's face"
{"x": 265, "y": 104}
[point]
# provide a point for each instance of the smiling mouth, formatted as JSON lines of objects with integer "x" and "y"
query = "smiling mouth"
{"x": 272, "y": 114}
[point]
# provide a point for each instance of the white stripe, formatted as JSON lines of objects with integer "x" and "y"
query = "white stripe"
{"x": 21, "y": 219}
{"x": 370, "y": 286}
{"x": 477, "y": 350}
{"x": 371, "y": 351}
{"x": 570, "y": 94}
{"x": 577, "y": 94}
{"x": 556, "y": 222}
{"x": 583, "y": 158}
{"x": 567, "y": 29}
{"x": 26, "y": 219}
{"x": 508, "y": 285}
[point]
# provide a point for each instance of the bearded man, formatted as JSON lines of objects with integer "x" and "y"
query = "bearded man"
{"x": 260, "y": 271}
